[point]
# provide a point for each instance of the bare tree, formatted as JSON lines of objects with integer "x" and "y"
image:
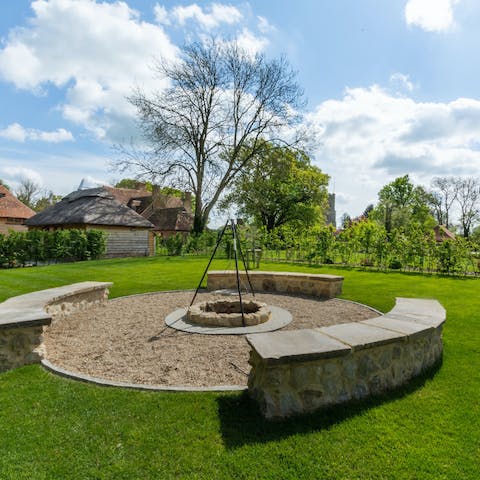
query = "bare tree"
{"x": 468, "y": 200}
{"x": 443, "y": 196}
{"x": 28, "y": 191}
{"x": 208, "y": 124}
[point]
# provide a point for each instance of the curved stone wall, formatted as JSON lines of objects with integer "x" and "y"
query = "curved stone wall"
{"x": 296, "y": 372}
{"x": 23, "y": 318}
{"x": 317, "y": 285}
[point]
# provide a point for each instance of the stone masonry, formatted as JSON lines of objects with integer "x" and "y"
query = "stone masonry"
{"x": 23, "y": 318}
{"x": 317, "y": 285}
{"x": 300, "y": 371}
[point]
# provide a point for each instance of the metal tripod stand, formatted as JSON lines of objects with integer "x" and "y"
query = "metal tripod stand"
{"x": 237, "y": 249}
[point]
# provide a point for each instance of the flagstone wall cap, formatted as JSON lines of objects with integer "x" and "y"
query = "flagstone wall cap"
{"x": 295, "y": 345}
{"x": 359, "y": 335}
{"x": 306, "y": 276}
{"x": 408, "y": 328}
{"x": 28, "y": 309}
{"x": 424, "y": 311}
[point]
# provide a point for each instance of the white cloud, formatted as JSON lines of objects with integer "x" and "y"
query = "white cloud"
{"x": 430, "y": 15}
{"x": 209, "y": 18}
{"x": 161, "y": 14}
{"x": 264, "y": 26}
{"x": 250, "y": 42}
{"x": 60, "y": 172}
{"x": 92, "y": 53}
{"x": 14, "y": 132}
{"x": 13, "y": 175}
{"x": 17, "y": 133}
{"x": 370, "y": 136}
{"x": 97, "y": 51}
{"x": 401, "y": 81}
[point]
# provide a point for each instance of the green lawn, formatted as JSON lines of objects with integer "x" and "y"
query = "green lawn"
{"x": 52, "y": 428}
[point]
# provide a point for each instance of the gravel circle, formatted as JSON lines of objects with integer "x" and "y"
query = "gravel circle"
{"x": 126, "y": 339}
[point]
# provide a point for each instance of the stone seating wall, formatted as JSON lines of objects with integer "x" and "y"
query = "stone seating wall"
{"x": 23, "y": 318}
{"x": 317, "y": 285}
{"x": 299, "y": 371}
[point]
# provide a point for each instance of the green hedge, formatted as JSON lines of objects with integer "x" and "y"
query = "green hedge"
{"x": 38, "y": 246}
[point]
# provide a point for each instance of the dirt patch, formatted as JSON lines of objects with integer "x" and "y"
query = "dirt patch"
{"x": 126, "y": 339}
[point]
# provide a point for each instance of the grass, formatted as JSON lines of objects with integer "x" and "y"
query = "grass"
{"x": 52, "y": 428}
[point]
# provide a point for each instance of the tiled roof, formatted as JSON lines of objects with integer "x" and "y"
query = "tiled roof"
{"x": 11, "y": 207}
{"x": 124, "y": 195}
{"x": 443, "y": 233}
{"x": 172, "y": 219}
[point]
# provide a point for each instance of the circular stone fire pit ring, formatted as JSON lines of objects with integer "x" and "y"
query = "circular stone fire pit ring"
{"x": 228, "y": 313}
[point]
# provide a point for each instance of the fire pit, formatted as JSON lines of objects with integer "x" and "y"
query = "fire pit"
{"x": 228, "y": 313}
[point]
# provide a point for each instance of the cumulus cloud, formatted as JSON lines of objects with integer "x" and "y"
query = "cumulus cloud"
{"x": 207, "y": 18}
{"x": 13, "y": 175}
{"x": 401, "y": 81}
{"x": 161, "y": 14}
{"x": 370, "y": 136}
{"x": 250, "y": 42}
{"x": 264, "y": 25}
{"x": 97, "y": 51}
{"x": 94, "y": 53}
{"x": 430, "y": 15}
{"x": 17, "y": 133}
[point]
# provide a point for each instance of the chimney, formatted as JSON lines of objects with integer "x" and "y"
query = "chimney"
{"x": 158, "y": 199}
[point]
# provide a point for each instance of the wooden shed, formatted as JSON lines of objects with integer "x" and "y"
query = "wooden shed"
{"x": 128, "y": 233}
{"x": 13, "y": 213}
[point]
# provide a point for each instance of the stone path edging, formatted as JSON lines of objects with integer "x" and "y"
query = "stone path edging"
{"x": 135, "y": 386}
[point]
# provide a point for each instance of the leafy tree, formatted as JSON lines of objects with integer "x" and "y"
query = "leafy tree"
{"x": 400, "y": 203}
{"x": 46, "y": 201}
{"x": 208, "y": 124}
{"x": 280, "y": 186}
{"x": 133, "y": 184}
{"x": 345, "y": 220}
{"x": 368, "y": 210}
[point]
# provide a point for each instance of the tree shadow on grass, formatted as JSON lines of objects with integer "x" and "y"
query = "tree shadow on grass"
{"x": 242, "y": 423}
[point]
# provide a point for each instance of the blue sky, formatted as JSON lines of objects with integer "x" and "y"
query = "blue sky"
{"x": 392, "y": 86}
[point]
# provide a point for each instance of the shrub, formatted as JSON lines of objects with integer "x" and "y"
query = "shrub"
{"x": 174, "y": 244}
{"x": 395, "y": 264}
{"x": 96, "y": 243}
{"x": 19, "y": 248}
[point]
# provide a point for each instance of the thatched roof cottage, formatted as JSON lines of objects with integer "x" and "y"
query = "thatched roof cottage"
{"x": 128, "y": 233}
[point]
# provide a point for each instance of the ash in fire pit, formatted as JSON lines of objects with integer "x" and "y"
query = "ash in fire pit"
{"x": 228, "y": 313}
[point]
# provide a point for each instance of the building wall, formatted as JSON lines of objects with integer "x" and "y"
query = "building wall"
{"x": 121, "y": 241}
{"x": 127, "y": 242}
{"x": 6, "y": 225}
